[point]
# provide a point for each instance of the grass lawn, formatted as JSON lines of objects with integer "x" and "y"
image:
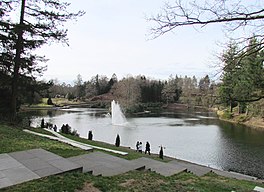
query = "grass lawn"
{"x": 14, "y": 139}
{"x": 133, "y": 181}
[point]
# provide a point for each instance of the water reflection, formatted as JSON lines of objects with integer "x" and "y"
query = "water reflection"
{"x": 197, "y": 137}
{"x": 243, "y": 149}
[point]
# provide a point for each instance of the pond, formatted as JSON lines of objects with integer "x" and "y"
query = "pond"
{"x": 198, "y": 137}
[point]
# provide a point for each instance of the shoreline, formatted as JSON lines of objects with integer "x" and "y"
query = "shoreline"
{"x": 251, "y": 122}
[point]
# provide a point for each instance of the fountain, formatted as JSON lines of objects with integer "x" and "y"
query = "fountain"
{"x": 118, "y": 118}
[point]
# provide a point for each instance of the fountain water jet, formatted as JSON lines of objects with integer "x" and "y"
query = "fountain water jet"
{"x": 118, "y": 118}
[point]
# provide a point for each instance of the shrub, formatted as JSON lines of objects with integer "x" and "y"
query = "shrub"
{"x": 42, "y": 124}
{"x": 161, "y": 152}
{"x": 90, "y": 135}
{"x": 67, "y": 130}
{"x": 227, "y": 115}
{"x": 117, "y": 143}
{"x": 224, "y": 114}
{"x": 49, "y": 101}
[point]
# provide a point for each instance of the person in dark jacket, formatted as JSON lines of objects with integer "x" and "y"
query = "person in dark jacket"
{"x": 147, "y": 148}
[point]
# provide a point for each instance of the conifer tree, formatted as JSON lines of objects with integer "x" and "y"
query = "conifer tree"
{"x": 40, "y": 22}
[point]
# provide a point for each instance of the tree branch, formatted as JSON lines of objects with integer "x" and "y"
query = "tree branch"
{"x": 179, "y": 16}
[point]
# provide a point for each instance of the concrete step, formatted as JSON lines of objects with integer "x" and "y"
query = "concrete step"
{"x": 234, "y": 175}
{"x": 22, "y": 166}
{"x": 162, "y": 168}
{"x": 198, "y": 170}
{"x": 104, "y": 164}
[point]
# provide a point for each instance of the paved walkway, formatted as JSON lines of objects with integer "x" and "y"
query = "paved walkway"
{"x": 22, "y": 166}
{"x": 84, "y": 146}
{"x": 75, "y": 144}
{"x": 92, "y": 146}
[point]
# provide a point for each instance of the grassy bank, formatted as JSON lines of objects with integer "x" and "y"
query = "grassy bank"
{"x": 256, "y": 122}
{"x": 14, "y": 139}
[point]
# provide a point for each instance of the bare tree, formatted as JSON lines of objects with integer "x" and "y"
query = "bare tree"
{"x": 127, "y": 91}
{"x": 233, "y": 14}
{"x": 242, "y": 21}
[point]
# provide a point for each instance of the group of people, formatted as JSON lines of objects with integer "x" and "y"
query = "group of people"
{"x": 139, "y": 147}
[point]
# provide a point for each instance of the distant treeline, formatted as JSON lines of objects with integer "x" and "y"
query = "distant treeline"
{"x": 132, "y": 90}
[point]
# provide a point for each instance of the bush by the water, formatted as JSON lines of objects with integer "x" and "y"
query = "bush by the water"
{"x": 42, "y": 124}
{"x": 90, "y": 135}
{"x": 67, "y": 130}
{"x": 49, "y": 101}
{"x": 161, "y": 152}
{"x": 225, "y": 114}
{"x": 117, "y": 143}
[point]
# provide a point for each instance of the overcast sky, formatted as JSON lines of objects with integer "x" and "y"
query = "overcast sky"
{"x": 112, "y": 37}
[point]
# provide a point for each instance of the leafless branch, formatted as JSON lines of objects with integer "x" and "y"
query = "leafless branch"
{"x": 235, "y": 15}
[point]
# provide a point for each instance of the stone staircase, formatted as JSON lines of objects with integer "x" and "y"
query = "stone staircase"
{"x": 165, "y": 169}
{"x": 195, "y": 169}
{"x": 22, "y": 166}
{"x": 103, "y": 164}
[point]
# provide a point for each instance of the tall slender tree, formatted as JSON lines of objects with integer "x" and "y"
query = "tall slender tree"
{"x": 40, "y": 22}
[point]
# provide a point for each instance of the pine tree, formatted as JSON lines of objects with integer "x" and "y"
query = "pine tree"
{"x": 243, "y": 75}
{"x": 40, "y": 22}
{"x": 117, "y": 143}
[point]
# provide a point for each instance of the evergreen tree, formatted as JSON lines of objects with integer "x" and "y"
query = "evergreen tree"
{"x": 161, "y": 152}
{"x": 172, "y": 91}
{"x": 243, "y": 75}
{"x": 117, "y": 142}
{"x": 230, "y": 61}
{"x": 49, "y": 101}
{"x": 40, "y": 23}
{"x": 42, "y": 125}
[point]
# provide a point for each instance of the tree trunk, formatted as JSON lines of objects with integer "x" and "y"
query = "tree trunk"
{"x": 231, "y": 107}
{"x": 19, "y": 47}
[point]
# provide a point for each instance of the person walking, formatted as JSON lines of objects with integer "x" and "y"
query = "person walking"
{"x": 140, "y": 147}
{"x": 137, "y": 145}
{"x": 147, "y": 148}
{"x": 55, "y": 128}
